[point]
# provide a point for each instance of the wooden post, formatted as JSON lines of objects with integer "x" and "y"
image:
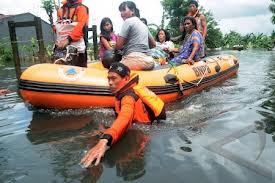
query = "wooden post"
{"x": 39, "y": 36}
{"x": 94, "y": 29}
{"x": 15, "y": 51}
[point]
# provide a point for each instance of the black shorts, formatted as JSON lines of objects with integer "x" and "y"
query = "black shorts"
{"x": 80, "y": 60}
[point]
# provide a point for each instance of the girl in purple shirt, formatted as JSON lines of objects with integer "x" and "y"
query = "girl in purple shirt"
{"x": 108, "y": 38}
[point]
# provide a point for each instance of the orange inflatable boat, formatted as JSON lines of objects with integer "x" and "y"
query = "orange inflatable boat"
{"x": 70, "y": 87}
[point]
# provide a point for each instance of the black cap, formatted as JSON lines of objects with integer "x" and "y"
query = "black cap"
{"x": 120, "y": 69}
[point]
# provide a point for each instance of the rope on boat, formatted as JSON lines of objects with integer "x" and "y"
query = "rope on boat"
{"x": 173, "y": 66}
{"x": 199, "y": 82}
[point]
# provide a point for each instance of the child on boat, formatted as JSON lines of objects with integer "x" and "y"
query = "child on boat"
{"x": 108, "y": 38}
{"x": 163, "y": 44}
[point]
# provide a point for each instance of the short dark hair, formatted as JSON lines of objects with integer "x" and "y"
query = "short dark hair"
{"x": 194, "y": 2}
{"x": 144, "y": 21}
{"x": 120, "y": 69}
{"x": 167, "y": 35}
{"x": 131, "y": 5}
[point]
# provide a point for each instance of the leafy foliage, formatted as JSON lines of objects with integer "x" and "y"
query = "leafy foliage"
{"x": 175, "y": 11}
{"x": 48, "y": 6}
{"x": 248, "y": 41}
{"x": 214, "y": 35}
{"x": 231, "y": 39}
{"x": 31, "y": 48}
{"x": 272, "y": 9}
{"x": 5, "y": 53}
{"x": 273, "y": 36}
{"x": 153, "y": 28}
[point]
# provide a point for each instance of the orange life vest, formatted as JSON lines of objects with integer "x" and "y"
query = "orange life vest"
{"x": 70, "y": 14}
{"x": 148, "y": 106}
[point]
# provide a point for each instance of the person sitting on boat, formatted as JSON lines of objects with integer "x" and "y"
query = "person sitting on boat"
{"x": 163, "y": 44}
{"x": 71, "y": 29}
{"x": 108, "y": 38}
{"x": 192, "y": 47}
{"x": 144, "y": 21}
{"x": 133, "y": 103}
{"x": 135, "y": 39}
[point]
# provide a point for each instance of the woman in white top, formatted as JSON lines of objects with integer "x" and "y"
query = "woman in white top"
{"x": 163, "y": 45}
{"x": 163, "y": 39}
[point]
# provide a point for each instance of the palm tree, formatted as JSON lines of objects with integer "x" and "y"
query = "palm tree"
{"x": 272, "y": 9}
{"x": 48, "y": 6}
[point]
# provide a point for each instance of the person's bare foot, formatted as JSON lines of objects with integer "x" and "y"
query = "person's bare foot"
{"x": 4, "y": 92}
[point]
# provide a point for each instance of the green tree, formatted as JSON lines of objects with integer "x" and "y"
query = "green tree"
{"x": 48, "y": 6}
{"x": 272, "y": 9}
{"x": 5, "y": 53}
{"x": 214, "y": 34}
{"x": 153, "y": 28}
{"x": 162, "y": 20}
{"x": 252, "y": 41}
{"x": 231, "y": 39}
{"x": 175, "y": 10}
{"x": 260, "y": 41}
{"x": 273, "y": 36}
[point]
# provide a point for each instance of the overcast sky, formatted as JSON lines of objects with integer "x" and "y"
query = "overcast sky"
{"x": 244, "y": 16}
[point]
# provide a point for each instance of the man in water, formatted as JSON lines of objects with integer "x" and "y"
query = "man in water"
{"x": 129, "y": 107}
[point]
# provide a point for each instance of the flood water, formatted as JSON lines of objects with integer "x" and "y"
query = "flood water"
{"x": 224, "y": 134}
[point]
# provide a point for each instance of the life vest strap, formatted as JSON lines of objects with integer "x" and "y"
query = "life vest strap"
{"x": 69, "y": 10}
{"x": 151, "y": 114}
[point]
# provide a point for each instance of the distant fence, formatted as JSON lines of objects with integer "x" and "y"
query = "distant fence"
{"x": 94, "y": 30}
{"x": 39, "y": 36}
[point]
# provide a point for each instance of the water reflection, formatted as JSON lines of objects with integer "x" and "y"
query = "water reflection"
{"x": 127, "y": 157}
{"x": 45, "y": 127}
{"x": 269, "y": 104}
{"x": 68, "y": 136}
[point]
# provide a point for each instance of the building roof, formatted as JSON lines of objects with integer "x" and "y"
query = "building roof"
{"x": 2, "y": 16}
